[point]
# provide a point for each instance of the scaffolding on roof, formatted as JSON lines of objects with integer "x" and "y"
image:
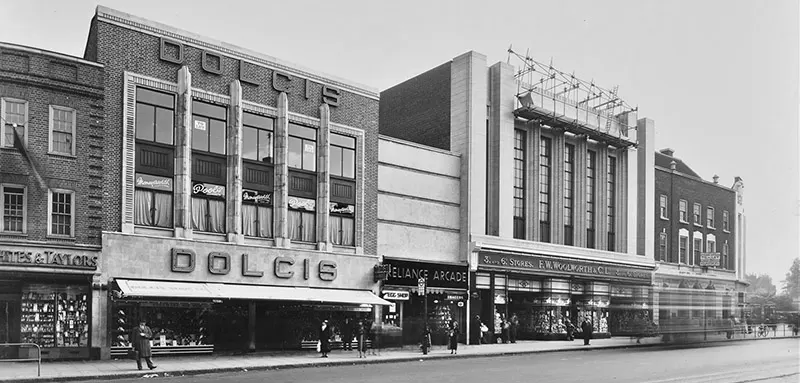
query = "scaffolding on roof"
{"x": 558, "y": 98}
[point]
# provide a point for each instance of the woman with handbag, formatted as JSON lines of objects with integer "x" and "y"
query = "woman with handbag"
{"x": 325, "y": 339}
{"x": 452, "y": 334}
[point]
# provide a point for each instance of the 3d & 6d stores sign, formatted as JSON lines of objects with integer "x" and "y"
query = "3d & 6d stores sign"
{"x": 283, "y": 267}
{"x": 536, "y": 263}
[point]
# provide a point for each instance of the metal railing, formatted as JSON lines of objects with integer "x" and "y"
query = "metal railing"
{"x": 21, "y": 345}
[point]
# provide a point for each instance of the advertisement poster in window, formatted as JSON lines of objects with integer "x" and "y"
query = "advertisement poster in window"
{"x": 200, "y": 125}
{"x": 257, "y": 197}
{"x": 146, "y": 181}
{"x": 342, "y": 208}
{"x": 208, "y": 190}
{"x": 302, "y": 203}
{"x": 308, "y": 148}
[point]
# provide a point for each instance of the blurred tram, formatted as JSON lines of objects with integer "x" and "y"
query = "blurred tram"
{"x": 685, "y": 312}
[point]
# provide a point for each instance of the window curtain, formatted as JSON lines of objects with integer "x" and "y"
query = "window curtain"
{"x": 163, "y": 213}
{"x": 216, "y": 218}
{"x": 335, "y": 229}
{"x": 294, "y": 225}
{"x": 265, "y": 222}
{"x": 348, "y": 231}
{"x": 309, "y": 227}
{"x": 249, "y": 220}
{"x": 199, "y": 212}
{"x": 143, "y": 203}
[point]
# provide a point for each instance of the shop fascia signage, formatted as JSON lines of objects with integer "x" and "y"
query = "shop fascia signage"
{"x": 283, "y": 267}
{"x": 396, "y": 295}
{"x": 536, "y": 263}
{"x": 709, "y": 259}
{"x": 48, "y": 258}
{"x": 408, "y": 273}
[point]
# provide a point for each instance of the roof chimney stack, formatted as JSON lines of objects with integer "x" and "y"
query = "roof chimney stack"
{"x": 716, "y": 179}
{"x": 673, "y": 165}
{"x": 667, "y": 152}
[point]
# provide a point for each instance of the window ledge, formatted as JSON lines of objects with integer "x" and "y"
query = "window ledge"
{"x": 698, "y": 225}
{"x": 684, "y": 222}
{"x": 13, "y": 234}
{"x": 10, "y": 149}
{"x": 711, "y": 227}
{"x": 62, "y": 155}
{"x": 726, "y": 231}
{"x": 664, "y": 218}
{"x": 64, "y": 238}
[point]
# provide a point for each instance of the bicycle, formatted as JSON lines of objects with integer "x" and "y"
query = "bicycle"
{"x": 762, "y": 331}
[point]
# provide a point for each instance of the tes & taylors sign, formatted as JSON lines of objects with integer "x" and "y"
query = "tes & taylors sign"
{"x": 49, "y": 258}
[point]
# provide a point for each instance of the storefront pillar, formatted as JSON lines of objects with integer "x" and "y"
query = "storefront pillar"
{"x": 183, "y": 156}
{"x": 281, "y": 207}
{"x": 233, "y": 204}
{"x": 581, "y": 146}
{"x": 100, "y": 324}
{"x": 323, "y": 179}
{"x": 251, "y": 326}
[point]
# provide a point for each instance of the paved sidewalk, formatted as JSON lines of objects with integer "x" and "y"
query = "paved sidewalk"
{"x": 193, "y": 365}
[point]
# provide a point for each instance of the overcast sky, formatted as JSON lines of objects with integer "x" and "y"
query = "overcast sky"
{"x": 720, "y": 78}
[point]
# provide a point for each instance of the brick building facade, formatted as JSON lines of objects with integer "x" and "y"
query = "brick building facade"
{"x": 699, "y": 243}
{"x": 52, "y": 162}
{"x": 242, "y": 186}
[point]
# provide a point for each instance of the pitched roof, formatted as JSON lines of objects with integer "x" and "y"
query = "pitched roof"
{"x": 663, "y": 160}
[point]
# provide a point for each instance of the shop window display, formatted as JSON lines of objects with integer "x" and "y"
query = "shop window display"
{"x": 55, "y": 315}
{"x": 549, "y": 315}
{"x": 597, "y": 311}
{"x": 173, "y": 323}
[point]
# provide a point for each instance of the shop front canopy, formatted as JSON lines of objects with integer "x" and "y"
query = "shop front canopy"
{"x": 165, "y": 289}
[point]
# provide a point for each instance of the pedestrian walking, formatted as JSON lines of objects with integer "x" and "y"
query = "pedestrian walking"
{"x": 514, "y": 326}
{"x": 477, "y": 333}
{"x": 140, "y": 338}
{"x": 325, "y": 339}
{"x": 425, "y": 342}
{"x": 347, "y": 335}
{"x": 570, "y": 329}
{"x": 361, "y": 337}
{"x": 587, "y": 329}
{"x": 452, "y": 334}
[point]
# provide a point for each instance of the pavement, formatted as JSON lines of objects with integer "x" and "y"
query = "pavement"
{"x": 195, "y": 365}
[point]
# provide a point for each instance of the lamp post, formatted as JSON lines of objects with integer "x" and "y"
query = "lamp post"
{"x": 422, "y": 286}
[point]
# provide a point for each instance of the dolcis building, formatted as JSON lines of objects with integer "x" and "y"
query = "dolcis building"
{"x": 700, "y": 247}
{"x": 242, "y": 193}
{"x": 555, "y": 192}
{"x": 52, "y": 163}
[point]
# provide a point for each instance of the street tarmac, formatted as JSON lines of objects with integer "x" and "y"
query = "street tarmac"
{"x": 770, "y": 361}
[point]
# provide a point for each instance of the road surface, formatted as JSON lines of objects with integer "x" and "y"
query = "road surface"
{"x": 769, "y": 361}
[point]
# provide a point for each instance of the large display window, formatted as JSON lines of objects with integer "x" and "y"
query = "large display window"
{"x": 55, "y": 315}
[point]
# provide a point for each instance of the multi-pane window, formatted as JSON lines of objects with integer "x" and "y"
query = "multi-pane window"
{"x": 684, "y": 211}
{"x": 13, "y": 209}
{"x": 683, "y": 249}
{"x": 569, "y": 194}
{"x": 342, "y": 224}
{"x": 155, "y": 130}
{"x": 302, "y": 148}
{"x": 208, "y": 207}
{"x": 302, "y": 219}
{"x": 62, "y": 213}
{"x": 696, "y": 214}
{"x": 710, "y": 217}
{"x": 662, "y": 247}
{"x": 62, "y": 130}
{"x": 343, "y": 156}
{"x": 611, "y": 189}
{"x": 662, "y": 206}
{"x": 724, "y": 262}
{"x": 725, "y": 222}
{"x": 591, "y": 176}
{"x": 519, "y": 184}
{"x": 256, "y": 213}
{"x": 545, "y": 156}
{"x": 14, "y": 115}
{"x": 209, "y": 127}
{"x": 257, "y": 138}
{"x": 697, "y": 248}
{"x": 711, "y": 246}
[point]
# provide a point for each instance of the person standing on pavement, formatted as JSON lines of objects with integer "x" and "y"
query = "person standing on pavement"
{"x": 587, "y": 329}
{"x": 361, "y": 338}
{"x": 513, "y": 326}
{"x": 477, "y": 333}
{"x": 347, "y": 335}
{"x": 140, "y": 338}
{"x": 452, "y": 336}
{"x": 570, "y": 329}
{"x": 325, "y": 339}
{"x": 425, "y": 342}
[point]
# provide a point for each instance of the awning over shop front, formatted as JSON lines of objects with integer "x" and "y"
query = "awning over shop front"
{"x": 167, "y": 289}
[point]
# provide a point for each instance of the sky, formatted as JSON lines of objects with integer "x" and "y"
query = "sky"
{"x": 719, "y": 78}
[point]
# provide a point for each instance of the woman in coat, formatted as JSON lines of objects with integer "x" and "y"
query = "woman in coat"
{"x": 362, "y": 334}
{"x": 140, "y": 338}
{"x": 587, "y": 329}
{"x": 325, "y": 339}
{"x": 452, "y": 335}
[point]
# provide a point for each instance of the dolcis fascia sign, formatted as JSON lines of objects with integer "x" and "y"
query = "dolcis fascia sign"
{"x": 543, "y": 264}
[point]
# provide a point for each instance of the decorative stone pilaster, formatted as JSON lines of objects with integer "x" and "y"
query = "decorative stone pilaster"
{"x": 183, "y": 156}
{"x": 281, "y": 192}
{"x": 532, "y": 182}
{"x": 323, "y": 178}
{"x": 601, "y": 202}
{"x": 233, "y": 201}
{"x": 621, "y": 228}
{"x": 581, "y": 148}
{"x": 557, "y": 187}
